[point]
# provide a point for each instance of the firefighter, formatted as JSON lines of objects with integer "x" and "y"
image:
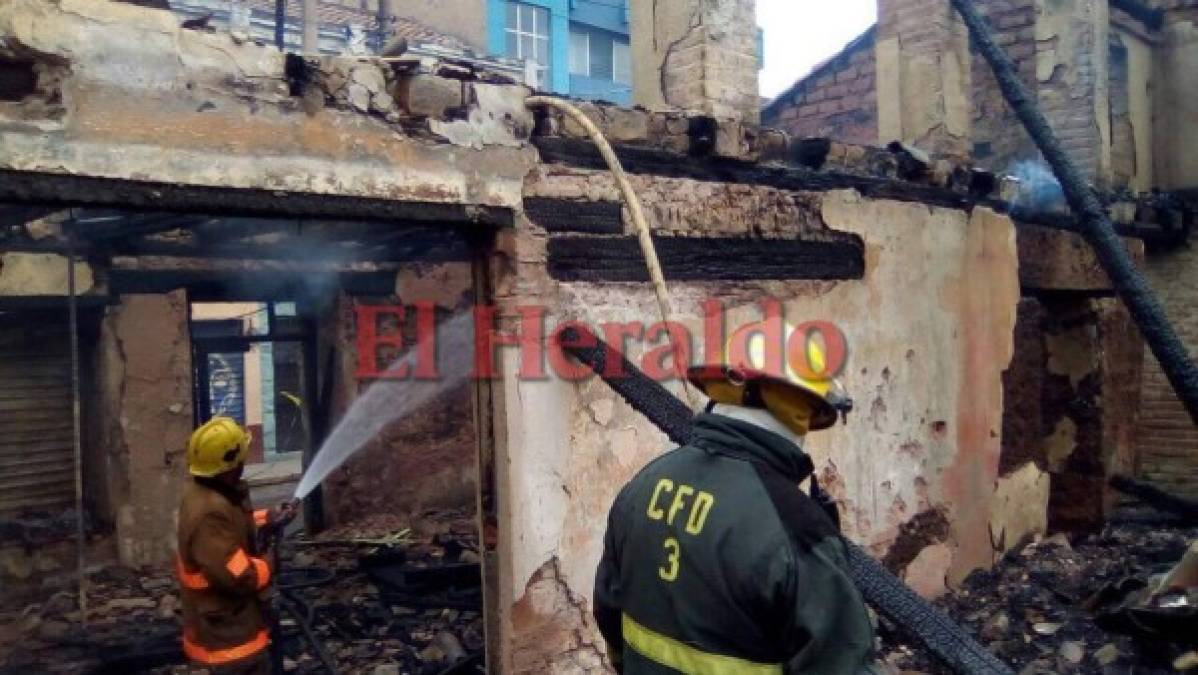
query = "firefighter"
{"x": 714, "y": 561}
{"x": 224, "y": 578}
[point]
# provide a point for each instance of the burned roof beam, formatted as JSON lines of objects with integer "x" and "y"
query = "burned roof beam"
{"x": 66, "y": 190}
{"x": 651, "y": 161}
{"x": 301, "y": 252}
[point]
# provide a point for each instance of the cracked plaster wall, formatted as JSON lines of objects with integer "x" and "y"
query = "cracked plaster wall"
{"x": 697, "y": 55}
{"x": 150, "y": 100}
{"x": 143, "y": 378}
{"x": 929, "y": 333}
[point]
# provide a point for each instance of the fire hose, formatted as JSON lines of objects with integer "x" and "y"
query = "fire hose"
{"x": 889, "y": 596}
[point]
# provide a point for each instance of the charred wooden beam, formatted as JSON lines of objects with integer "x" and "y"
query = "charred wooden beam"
{"x": 570, "y": 215}
{"x": 652, "y": 161}
{"x": 66, "y": 190}
{"x": 214, "y": 285}
{"x": 705, "y": 259}
{"x": 1096, "y": 227}
{"x": 1156, "y": 497}
{"x": 1150, "y": 16}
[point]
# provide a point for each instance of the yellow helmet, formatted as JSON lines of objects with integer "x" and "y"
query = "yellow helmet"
{"x": 219, "y": 445}
{"x": 799, "y": 393}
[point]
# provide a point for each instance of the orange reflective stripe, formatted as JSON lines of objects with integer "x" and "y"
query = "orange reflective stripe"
{"x": 261, "y": 517}
{"x": 262, "y": 570}
{"x": 193, "y": 581}
{"x": 215, "y": 657}
{"x": 238, "y": 563}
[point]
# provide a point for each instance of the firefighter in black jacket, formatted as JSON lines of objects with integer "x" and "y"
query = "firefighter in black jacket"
{"x": 714, "y": 562}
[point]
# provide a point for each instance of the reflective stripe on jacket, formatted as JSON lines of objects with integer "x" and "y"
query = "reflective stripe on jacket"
{"x": 220, "y": 574}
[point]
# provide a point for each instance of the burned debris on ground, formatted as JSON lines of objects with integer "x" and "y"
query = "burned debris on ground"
{"x": 372, "y": 597}
{"x": 1044, "y": 606}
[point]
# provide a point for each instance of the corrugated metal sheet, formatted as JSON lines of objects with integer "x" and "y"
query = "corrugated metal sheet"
{"x": 36, "y": 458}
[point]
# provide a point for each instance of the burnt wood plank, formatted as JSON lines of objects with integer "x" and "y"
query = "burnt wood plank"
{"x": 569, "y": 215}
{"x": 705, "y": 259}
{"x": 50, "y": 189}
{"x": 652, "y": 161}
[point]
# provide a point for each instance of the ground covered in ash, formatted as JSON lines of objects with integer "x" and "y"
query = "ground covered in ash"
{"x": 1031, "y": 608}
{"x": 379, "y": 598}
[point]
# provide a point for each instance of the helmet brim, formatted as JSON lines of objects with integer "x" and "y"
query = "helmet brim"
{"x": 824, "y": 414}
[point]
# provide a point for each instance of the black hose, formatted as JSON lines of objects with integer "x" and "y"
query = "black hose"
{"x": 1096, "y": 227}
{"x": 881, "y": 589}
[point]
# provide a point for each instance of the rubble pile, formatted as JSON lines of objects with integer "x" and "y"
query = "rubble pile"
{"x": 1037, "y": 608}
{"x": 376, "y": 596}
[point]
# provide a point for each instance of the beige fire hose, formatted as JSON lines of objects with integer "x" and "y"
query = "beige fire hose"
{"x": 634, "y": 208}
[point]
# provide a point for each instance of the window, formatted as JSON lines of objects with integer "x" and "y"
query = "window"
{"x": 621, "y": 58}
{"x": 580, "y": 53}
{"x": 527, "y": 33}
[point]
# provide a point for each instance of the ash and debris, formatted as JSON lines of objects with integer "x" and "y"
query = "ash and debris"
{"x": 337, "y": 580}
{"x": 1033, "y": 609}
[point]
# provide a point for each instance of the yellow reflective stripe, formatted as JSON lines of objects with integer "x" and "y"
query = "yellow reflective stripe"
{"x": 684, "y": 658}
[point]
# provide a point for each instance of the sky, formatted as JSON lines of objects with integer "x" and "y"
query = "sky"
{"x": 799, "y": 34}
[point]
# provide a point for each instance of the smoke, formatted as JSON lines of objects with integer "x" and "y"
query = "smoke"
{"x": 1038, "y": 191}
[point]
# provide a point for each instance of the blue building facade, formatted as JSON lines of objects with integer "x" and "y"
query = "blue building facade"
{"x": 578, "y": 47}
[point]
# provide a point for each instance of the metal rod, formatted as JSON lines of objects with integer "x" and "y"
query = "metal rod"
{"x": 1095, "y": 226}
{"x": 80, "y": 534}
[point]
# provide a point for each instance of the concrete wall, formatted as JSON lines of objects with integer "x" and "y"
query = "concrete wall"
{"x": 928, "y": 344}
{"x": 839, "y": 101}
{"x": 144, "y": 420}
{"x": 209, "y": 111}
{"x": 1176, "y": 132}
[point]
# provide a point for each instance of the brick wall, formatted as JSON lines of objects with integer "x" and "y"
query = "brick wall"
{"x": 1168, "y": 439}
{"x": 838, "y": 100}
{"x": 998, "y": 137}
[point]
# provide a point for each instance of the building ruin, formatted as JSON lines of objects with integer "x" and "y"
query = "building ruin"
{"x": 997, "y": 379}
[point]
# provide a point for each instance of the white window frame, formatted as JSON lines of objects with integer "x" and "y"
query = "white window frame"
{"x": 585, "y": 71}
{"x": 536, "y": 12}
{"x": 615, "y": 71}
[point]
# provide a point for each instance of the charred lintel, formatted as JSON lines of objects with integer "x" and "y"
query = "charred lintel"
{"x": 652, "y": 161}
{"x": 705, "y": 259}
{"x": 17, "y": 215}
{"x": 429, "y": 250}
{"x": 56, "y": 302}
{"x": 212, "y": 285}
{"x": 65, "y": 190}
{"x": 568, "y": 215}
{"x": 1151, "y": 17}
{"x": 1156, "y": 497}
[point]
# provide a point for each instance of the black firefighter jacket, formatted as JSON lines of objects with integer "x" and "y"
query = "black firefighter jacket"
{"x": 715, "y": 563}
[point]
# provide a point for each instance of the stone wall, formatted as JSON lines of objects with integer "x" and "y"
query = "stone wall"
{"x": 1177, "y": 105}
{"x": 927, "y": 349}
{"x": 837, "y": 101}
{"x": 1167, "y": 437}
